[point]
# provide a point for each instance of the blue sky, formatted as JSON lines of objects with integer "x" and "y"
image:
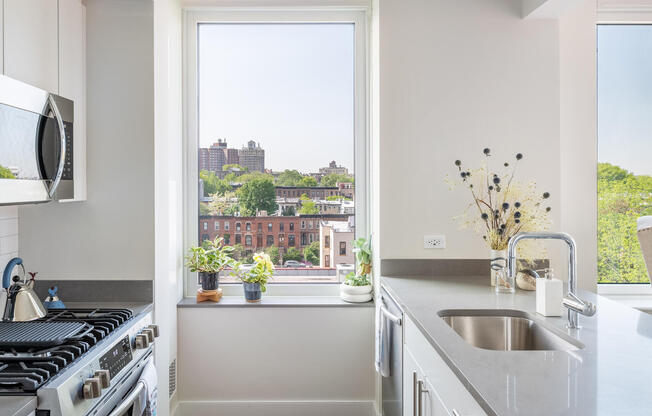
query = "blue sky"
{"x": 288, "y": 86}
{"x": 625, "y": 96}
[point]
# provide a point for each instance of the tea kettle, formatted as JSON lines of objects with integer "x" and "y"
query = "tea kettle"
{"x": 18, "y": 300}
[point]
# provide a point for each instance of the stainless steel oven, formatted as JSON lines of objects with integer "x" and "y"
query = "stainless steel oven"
{"x": 392, "y": 384}
{"x": 36, "y": 154}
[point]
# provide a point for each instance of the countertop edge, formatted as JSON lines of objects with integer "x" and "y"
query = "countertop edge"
{"x": 275, "y": 302}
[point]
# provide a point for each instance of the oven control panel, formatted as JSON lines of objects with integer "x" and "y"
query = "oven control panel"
{"x": 117, "y": 358}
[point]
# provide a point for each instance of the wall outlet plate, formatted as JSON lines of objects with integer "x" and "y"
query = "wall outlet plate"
{"x": 434, "y": 241}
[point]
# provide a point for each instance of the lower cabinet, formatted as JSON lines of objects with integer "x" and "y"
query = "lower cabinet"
{"x": 430, "y": 388}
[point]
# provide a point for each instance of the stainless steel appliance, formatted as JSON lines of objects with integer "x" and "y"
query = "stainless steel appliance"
{"x": 36, "y": 144}
{"x": 95, "y": 374}
{"x": 18, "y": 302}
{"x": 392, "y": 385}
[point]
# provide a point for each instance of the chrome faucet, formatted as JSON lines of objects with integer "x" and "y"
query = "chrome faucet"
{"x": 573, "y": 303}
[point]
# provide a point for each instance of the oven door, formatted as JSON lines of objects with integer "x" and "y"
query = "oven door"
{"x": 34, "y": 143}
{"x": 125, "y": 397}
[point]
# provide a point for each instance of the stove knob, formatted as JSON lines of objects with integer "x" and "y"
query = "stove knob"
{"x": 149, "y": 333}
{"x": 141, "y": 341}
{"x": 105, "y": 378}
{"x": 155, "y": 329}
{"x": 92, "y": 388}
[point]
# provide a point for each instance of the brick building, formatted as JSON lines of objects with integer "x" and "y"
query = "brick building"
{"x": 213, "y": 158}
{"x": 316, "y": 192}
{"x": 258, "y": 233}
{"x": 252, "y": 157}
{"x": 332, "y": 168}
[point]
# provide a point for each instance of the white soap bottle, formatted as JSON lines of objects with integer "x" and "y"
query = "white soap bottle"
{"x": 550, "y": 293}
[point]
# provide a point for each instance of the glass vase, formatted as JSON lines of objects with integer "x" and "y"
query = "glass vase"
{"x": 497, "y": 261}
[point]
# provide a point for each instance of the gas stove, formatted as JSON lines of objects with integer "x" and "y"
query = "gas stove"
{"x": 87, "y": 375}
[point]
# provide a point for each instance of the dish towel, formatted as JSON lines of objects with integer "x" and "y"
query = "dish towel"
{"x": 149, "y": 395}
{"x": 383, "y": 344}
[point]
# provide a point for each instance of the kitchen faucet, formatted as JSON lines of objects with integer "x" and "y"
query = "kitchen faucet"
{"x": 572, "y": 302}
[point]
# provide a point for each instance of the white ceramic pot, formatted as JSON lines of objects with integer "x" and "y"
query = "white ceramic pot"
{"x": 356, "y": 294}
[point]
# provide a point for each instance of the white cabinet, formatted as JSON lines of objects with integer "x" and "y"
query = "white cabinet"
{"x": 420, "y": 397}
{"x": 31, "y": 42}
{"x": 445, "y": 394}
{"x": 72, "y": 81}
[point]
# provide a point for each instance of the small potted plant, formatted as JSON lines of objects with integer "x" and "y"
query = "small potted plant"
{"x": 254, "y": 279}
{"x": 209, "y": 260}
{"x": 357, "y": 286}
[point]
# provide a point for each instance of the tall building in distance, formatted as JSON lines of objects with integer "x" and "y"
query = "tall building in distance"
{"x": 214, "y": 157}
{"x": 252, "y": 157}
{"x": 333, "y": 168}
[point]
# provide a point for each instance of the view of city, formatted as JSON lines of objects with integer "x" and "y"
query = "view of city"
{"x": 304, "y": 221}
{"x": 276, "y": 139}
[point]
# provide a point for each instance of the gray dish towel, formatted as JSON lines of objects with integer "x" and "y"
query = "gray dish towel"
{"x": 383, "y": 342}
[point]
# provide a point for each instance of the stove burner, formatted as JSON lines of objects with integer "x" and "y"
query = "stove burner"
{"x": 24, "y": 370}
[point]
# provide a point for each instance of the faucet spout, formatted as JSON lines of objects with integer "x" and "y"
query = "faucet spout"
{"x": 571, "y": 302}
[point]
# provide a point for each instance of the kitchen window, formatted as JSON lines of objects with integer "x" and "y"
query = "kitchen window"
{"x": 624, "y": 146}
{"x": 271, "y": 69}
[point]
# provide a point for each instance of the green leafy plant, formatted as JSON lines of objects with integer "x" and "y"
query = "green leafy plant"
{"x": 261, "y": 272}
{"x": 211, "y": 257}
{"x": 362, "y": 277}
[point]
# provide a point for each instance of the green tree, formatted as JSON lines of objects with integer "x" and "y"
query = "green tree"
{"x": 308, "y": 208}
{"x": 258, "y": 194}
{"x": 288, "y": 178}
{"x": 293, "y": 254}
{"x": 311, "y": 253}
{"x": 233, "y": 166}
{"x": 213, "y": 184}
{"x": 288, "y": 211}
{"x": 308, "y": 181}
{"x": 247, "y": 177}
{"x": 622, "y": 198}
{"x": 333, "y": 178}
{"x": 6, "y": 173}
{"x": 273, "y": 253}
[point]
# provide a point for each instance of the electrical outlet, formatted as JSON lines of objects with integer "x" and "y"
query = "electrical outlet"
{"x": 434, "y": 241}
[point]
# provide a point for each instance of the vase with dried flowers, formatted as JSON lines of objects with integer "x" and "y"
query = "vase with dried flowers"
{"x": 501, "y": 207}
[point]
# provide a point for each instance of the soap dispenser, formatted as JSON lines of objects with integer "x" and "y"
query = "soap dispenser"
{"x": 550, "y": 293}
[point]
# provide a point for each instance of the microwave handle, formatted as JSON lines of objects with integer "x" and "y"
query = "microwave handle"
{"x": 62, "y": 154}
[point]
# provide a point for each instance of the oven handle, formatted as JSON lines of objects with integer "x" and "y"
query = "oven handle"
{"x": 129, "y": 400}
{"x": 63, "y": 139}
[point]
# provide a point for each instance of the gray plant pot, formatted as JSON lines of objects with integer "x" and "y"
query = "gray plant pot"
{"x": 209, "y": 281}
{"x": 252, "y": 292}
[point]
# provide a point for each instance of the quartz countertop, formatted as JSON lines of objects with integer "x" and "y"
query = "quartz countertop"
{"x": 610, "y": 376}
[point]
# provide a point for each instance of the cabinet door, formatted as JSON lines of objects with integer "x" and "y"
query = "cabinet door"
{"x": 432, "y": 405}
{"x": 72, "y": 81}
{"x": 31, "y": 42}
{"x": 413, "y": 377}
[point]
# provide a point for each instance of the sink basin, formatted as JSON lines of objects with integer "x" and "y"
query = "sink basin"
{"x": 505, "y": 330}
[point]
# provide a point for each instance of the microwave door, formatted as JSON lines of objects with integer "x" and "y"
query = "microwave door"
{"x": 22, "y": 178}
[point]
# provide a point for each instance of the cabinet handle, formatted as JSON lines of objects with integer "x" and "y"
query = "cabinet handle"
{"x": 455, "y": 412}
{"x": 421, "y": 390}
{"x": 415, "y": 392}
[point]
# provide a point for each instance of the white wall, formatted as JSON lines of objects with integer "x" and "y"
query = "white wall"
{"x": 579, "y": 146}
{"x": 8, "y": 235}
{"x": 168, "y": 214}
{"x": 232, "y": 358}
{"x": 111, "y": 236}
{"x": 456, "y": 77}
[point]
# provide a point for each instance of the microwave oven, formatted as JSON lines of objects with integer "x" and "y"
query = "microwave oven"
{"x": 36, "y": 144}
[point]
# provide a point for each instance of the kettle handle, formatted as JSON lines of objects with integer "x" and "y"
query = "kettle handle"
{"x": 6, "y": 275}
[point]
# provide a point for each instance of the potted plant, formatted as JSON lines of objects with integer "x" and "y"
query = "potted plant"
{"x": 254, "y": 278}
{"x": 357, "y": 286}
{"x": 501, "y": 207}
{"x": 209, "y": 260}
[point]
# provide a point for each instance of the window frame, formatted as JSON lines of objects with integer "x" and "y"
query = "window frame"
{"x": 622, "y": 15}
{"x": 359, "y": 16}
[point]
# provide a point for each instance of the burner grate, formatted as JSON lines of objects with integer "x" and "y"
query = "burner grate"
{"x": 38, "y": 334}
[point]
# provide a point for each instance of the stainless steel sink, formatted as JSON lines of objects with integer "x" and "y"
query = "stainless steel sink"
{"x": 505, "y": 330}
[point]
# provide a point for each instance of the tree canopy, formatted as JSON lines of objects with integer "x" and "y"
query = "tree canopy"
{"x": 288, "y": 178}
{"x": 308, "y": 181}
{"x": 6, "y": 173}
{"x": 333, "y": 178}
{"x": 622, "y": 198}
{"x": 293, "y": 254}
{"x": 311, "y": 253}
{"x": 257, "y": 194}
{"x": 213, "y": 184}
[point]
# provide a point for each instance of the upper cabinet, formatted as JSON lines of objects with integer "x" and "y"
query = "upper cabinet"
{"x": 31, "y": 42}
{"x": 72, "y": 80}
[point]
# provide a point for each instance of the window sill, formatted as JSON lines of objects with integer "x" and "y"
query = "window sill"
{"x": 274, "y": 301}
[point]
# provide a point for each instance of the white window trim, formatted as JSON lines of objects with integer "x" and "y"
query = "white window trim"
{"x": 624, "y": 15}
{"x": 359, "y": 16}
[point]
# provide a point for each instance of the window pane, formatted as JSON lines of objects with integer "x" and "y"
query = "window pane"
{"x": 624, "y": 148}
{"x": 276, "y": 140}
